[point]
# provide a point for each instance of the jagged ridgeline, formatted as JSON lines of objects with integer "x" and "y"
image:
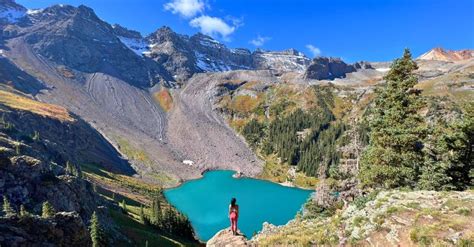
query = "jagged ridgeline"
{"x": 306, "y": 138}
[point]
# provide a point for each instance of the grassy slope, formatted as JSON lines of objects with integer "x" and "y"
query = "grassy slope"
{"x": 19, "y": 102}
{"x": 454, "y": 85}
{"x": 117, "y": 188}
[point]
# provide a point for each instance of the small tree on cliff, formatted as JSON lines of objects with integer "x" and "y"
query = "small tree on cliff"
{"x": 23, "y": 212}
{"x": 97, "y": 233}
{"x": 394, "y": 155}
{"x": 156, "y": 214}
{"x": 47, "y": 210}
{"x": 7, "y": 208}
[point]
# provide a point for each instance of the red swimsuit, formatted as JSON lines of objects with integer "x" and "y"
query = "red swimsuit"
{"x": 233, "y": 219}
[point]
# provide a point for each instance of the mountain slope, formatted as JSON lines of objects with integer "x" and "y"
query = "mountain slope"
{"x": 440, "y": 54}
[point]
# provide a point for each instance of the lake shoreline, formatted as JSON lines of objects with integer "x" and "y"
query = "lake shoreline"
{"x": 216, "y": 188}
{"x": 242, "y": 175}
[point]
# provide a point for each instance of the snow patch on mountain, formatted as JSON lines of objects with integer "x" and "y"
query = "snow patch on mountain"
{"x": 382, "y": 69}
{"x": 290, "y": 60}
{"x": 33, "y": 11}
{"x": 208, "y": 65}
{"x": 139, "y": 46}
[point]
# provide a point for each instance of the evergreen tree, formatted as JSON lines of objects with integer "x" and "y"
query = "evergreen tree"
{"x": 142, "y": 215}
{"x": 394, "y": 154}
{"x": 124, "y": 207}
{"x": 253, "y": 132}
{"x": 449, "y": 162}
{"x": 47, "y": 210}
{"x": 97, "y": 233}
{"x": 36, "y": 136}
{"x": 156, "y": 214}
{"x": 23, "y": 212}
{"x": 73, "y": 170}
{"x": 7, "y": 208}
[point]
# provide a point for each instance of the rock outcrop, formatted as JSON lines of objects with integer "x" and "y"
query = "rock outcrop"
{"x": 225, "y": 238}
{"x": 329, "y": 68}
{"x": 63, "y": 229}
{"x": 10, "y": 12}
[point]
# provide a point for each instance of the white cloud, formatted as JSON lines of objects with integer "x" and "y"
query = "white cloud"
{"x": 259, "y": 41}
{"x": 212, "y": 26}
{"x": 186, "y": 8}
{"x": 314, "y": 50}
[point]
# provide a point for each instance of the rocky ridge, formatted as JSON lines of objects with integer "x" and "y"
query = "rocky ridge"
{"x": 329, "y": 68}
{"x": 63, "y": 229}
{"x": 440, "y": 54}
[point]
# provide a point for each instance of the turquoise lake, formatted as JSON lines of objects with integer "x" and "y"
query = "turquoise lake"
{"x": 206, "y": 202}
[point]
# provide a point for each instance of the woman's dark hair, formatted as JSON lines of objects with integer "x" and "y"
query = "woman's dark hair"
{"x": 232, "y": 202}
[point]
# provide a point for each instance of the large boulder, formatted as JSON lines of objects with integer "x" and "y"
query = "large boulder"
{"x": 225, "y": 238}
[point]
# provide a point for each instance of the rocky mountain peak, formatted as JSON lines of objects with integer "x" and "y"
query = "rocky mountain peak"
{"x": 441, "y": 54}
{"x": 125, "y": 32}
{"x": 163, "y": 34}
{"x": 11, "y": 12}
{"x": 200, "y": 39}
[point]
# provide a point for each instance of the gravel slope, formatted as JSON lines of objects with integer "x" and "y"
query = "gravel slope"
{"x": 202, "y": 135}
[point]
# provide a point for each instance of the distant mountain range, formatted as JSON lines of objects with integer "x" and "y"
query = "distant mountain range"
{"x": 440, "y": 54}
{"x": 78, "y": 39}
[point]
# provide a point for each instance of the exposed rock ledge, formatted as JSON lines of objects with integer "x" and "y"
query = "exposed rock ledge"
{"x": 224, "y": 238}
{"x": 63, "y": 229}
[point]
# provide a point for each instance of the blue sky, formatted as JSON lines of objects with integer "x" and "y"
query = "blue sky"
{"x": 372, "y": 30}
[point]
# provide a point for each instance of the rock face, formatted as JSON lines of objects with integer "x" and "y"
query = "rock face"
{"x": 440, "y": 54}
{"x": 225, "y": 238}
{"x": 328, "y": 68}
{"x": 78, "y": 39}
{"x": 10, "y": 12}
{"x": 63, "y": 229}
{"x": 183, "y": 56}
{"x": 280, "y": 61}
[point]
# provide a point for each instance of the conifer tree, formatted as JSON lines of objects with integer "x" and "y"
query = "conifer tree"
{"x": 156, "y": 214}
{"x": 449, "y": 161}
{"x": 23, "y": 212}
{"x": 97, "y": 233}
{"x": 70, "y": 168}
{"x": 124, "y": 207}
{"x": 7, "y": 208}
{"x": 47, "y": 210}
{"x": 142, "y": 215}
{"x": 394, "y": 154}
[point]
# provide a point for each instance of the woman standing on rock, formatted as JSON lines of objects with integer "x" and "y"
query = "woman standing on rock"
{"x": 233, "y": 215}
